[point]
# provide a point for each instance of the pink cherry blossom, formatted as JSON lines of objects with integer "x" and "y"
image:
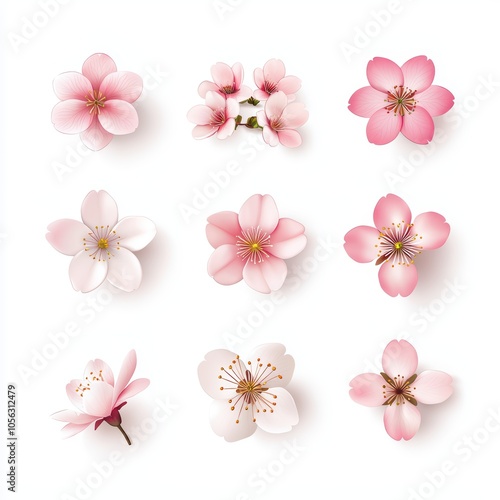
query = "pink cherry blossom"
{"x": 226, "y": 82}
{"x": 99, "y": 398}
{"x": 272, "y": 79}
{"x": 400, "y": 100}
{"x": 249, "y": 394}
{"x": 96, "y": 102}
{"x": 251, "y": 245}
{"x": 217, "y": 116}
{"x": 400, "y": 389}
{"x": 279, "y": 119}
{"x": 102, "y": 245}
{"x": 395, "y": 242}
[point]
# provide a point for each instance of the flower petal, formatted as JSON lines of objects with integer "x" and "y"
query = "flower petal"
{"x": 361, "y": 243}
{"x": 72, "y": 85}
{"x": 125, "y": 271}
{"x": 227, "y": 129}
{"x": 289, "y": 85}
{"x": 367, "y": 390}
{"x": 398, "y": 279}
{"x": 270, "y": 136}
{"x": 95, "y": 137}
{"x": 266, "y": 276}
{"x": 98, "y": 400}
{"x": 73, "y": 417}
{"x": 213, "y": 366}
{"x": 275, "y": 105}
{"x": 97, "y": 67}
{"x": 289, "y": 138}
{"x": 262, "y": 119}
{"x": 366, "y": 101}
{"x": 215, "y": 101}
{"x": 281, "y": 417}
{"x": 294, "y": 115}
{"x": 122, "y": 85}
{"x": 135, "y": 387}
{"x": 225, "y": 266}
{"x": 86, "y": 273}
{"x": 259, "y": 211}
{"x": 238, "y": 73}
{"x": 200, "y": 114}
{"x": 71, "y": 116}
{"x": 435, "y": 100}
{"x": 402, "y": 421}
{"x": 223, "y": 228}
{"x": 73, "y": 395}
{"x": 205, "y": 87}
{"x": 99, "y": 209}
{"x": 418, "y": 126}
{"x": 432, "y": 387}
{"x": 418, "y": 73}
{"x": 223, "y": 421}
{"x": 288, "y": 239}
{"x": 384, "y": 74}
{"x": 258, "y": 78}
{"x": 273, "y": 356}
{"x": 118, "y": 117}
{"x": 232, "y": 108}
{"x": 222, "y": 75}
{"x": 383, "y": 127}
{"x": 274, "y": 70}
{"x": 204, "y": 131}
{"x": 260, "y": 95}
{"x": 72, "y": 429}
{"x": 399, "y": 358}
{"x": 135, "y": 232}
{"x": 126, "y": 371}
{"x": 66, "y": 235}
{"x": 98, "y": 367}
{"x": 391, "y": 209}
{"x": 432, "y": 228}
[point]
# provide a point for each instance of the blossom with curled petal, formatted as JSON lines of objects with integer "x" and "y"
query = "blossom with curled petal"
{"x": 99, "y": 398}
{"x": 271, "y": 79}
{"x": 400, "y": 389}
{"x": 102, "y": 245}
{"x": 400, "y": 99}
{"x": 97, "y": 102}
{"x": 249, "y": 394}
{"x": 395, "y": 242}
{"x": 253, "y": 244}
{"x": 227, "y": 82}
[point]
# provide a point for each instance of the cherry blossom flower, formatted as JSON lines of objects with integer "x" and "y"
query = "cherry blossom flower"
{"x": 227, "y": 82}
{"x": 272, "y": 79}
{"x": 217, "y": 116}
{"x": 279, "y": 119}
{"x": 251, "y": 245}
{"x": 400, "y": 389}
{"x": 249, "y": 394}
{"x": 400, "y": 100}
{"x": 99, "y": 398}
{"x": 102, "y": 245}
{"x": 96, "y": 102}
{"x": 395, "y": 242}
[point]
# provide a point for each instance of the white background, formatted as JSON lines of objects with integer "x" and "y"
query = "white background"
{"x": 334, "y": 319}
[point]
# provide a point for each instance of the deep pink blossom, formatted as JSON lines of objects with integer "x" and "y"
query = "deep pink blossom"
{"x": 226, "y": 82}
{"x": 96, "y": 102}
{"x": 272, "y": 79}
{"x": 395, "y": 242}
{"x": 400, "y": 100}
{"x": 253, "y": 244}
{"x": 400, "y": 389}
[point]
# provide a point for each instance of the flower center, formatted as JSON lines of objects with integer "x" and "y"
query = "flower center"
{"x": 101, "y": 243}
{"x": 270, "y": 87}
{"x": 398, "y": 244}
{"x": 228, "y": 89}
{"x": 252, "y": 244}
{"x": 276, "y": 123}
{"x": 95, "y": 101}
{"x": 398, "y": 389}
{"x": 86, "y": 384}
{"x": 249, "y": 382}
{"x": 400, "y": 100}
{"x": 218, "y": 117}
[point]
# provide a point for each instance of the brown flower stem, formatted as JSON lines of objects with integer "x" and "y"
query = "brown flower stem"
{"x": 124, "y": 434}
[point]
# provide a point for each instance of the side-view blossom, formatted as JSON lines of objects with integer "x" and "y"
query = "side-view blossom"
{"x": 271, "y": 79}
{"x": 227, "y": 81}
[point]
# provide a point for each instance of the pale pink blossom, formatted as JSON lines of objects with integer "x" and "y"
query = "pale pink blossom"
{"x": 216, "y": 116}
{"x": 99, "y": 398}
{"x": 400, "y": 100}
{"x": 249, "y": 394}
{"x": 102, "y": 245}
{"x": 253, "y": 244}
{"x": 395, "y": 242}
{"x": 226, "y": 82}
{"x": 96, "y": 102}
{"x": 400, "y": 389}
{"x": 279, "y": 119}
{"x": 272, "y": 79}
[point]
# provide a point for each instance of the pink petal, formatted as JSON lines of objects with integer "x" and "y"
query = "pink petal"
{"x": 210, "y": 369}
{"x": 418, "y": 126}
{"x": 118, "y": 117}
{"x": 66, "y": 236}
{"x": 86, "y": 273}
{"x": 282, "y": 417}
{"x": 126, "y": 371}
{"x": 72, "y": 429}
{"x": 232, "y": 108}
{"x": 254, "y": 277}
{"x": 207, "y": 86}
{"x": 289, "y": 85}
{"x": 125, "y": 271}
{"x": 418, "y": 73}
{"x": 275, "y": 105}
{"x": 98, "y": 400}
{"x": 122, "y": 85}
{"x": 97, "y": 67}
{"x": 273, "y": 354}
{"x": 294, "y": 115}
{"x": 222, "y": 75}
{"x": 274, "y": 70}
{"x": 432, "y": 387}
{"x": 400, "y": 279}
{"x": 215, "y": 101}
{"x": 72, "y": 85}
{"x": 435, "y": 100}
{"x": 289, "y": 138}
{"x": 402, "y": 421}
{"x": 237, "y": 74}
{"x": 95, "y": 137}
{"x": 366, "y": 101}
{"x": 259, "y": 211}
{"x": 260, "y": 95}
{"x": 263, "y": 121}
{"x": 269, "y": 135}
{"x": 227, "y": 129}
{"x": 258, "y": 78}
{"x": 399, "y": 358}
{"x": 74, "y": 396}
{"x": 391, "y": 209}
{"x": 383, "y": 127}
{"x": 222, "y": 229}
{"x": 99, "y": 209}
{"x": 432, "y": 228}
{"x": 200, "y": 114}
{"x": 288, "y": 239}
{"x": 361, "y": 243}
{"x": 367, "y": 389}
{"x": 223, "y": 421}
{"x": 225, "y": 266}
{"x": 135, "y": 387}
{"x": 98, "y": 367}
{"x": 71, "y": 116}
{"x": 242, "y": 94}
{"x": 73, "y": 417}
{"x": 266, "y": 276}
{"x": 384, "y": 74}
{"x": 135, "y": 232}
{"x": 204, "y": 131}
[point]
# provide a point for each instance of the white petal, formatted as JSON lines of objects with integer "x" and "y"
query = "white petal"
{"x": 282, "y": 413}
{"x": 125, "y": 271}
{"x": 223, "y": 421}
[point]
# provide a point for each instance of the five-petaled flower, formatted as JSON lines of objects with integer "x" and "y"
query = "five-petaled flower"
{"x": 102, "y": 245}
{"x": 400, "y": 100}
{"x": 395, "y": 241}
{"x": 251, "y": 245}
{"x": 400, "y": 389}
{"x": 227, "y": 82}
{"x": 271, "y": 79}
{"x": 96, "y": 102}
{"x": 249, "y": 394}
{"x": 99, "y": 397}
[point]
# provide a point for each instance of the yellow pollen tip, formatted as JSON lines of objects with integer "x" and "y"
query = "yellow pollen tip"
{"x": 398, "y": 245}
{"x": 103, "y": 243}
